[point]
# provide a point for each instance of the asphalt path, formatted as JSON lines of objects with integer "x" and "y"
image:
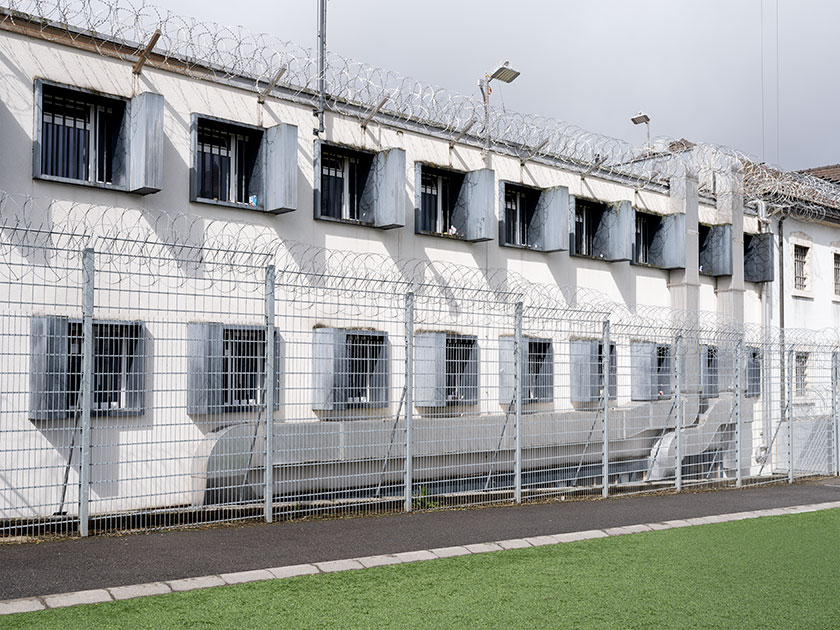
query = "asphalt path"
{"x": 34, "y": 569}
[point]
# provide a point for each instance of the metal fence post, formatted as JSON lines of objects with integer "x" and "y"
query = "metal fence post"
{"x": 739, "y": 368}
{"x": 270, "y": 380}
{"x": 606, "y": 370}
{"x": 679, "y": 420}
{"x": 835, "y": 409}
{"x": 409, "y": 397}
{"x": 790, "y": 414}
{"x": 88, "y": 272}
{"x": 517, "y": 376}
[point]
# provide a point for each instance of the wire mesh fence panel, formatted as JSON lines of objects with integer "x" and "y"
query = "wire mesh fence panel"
{"x": 464, "y": 396}
{"x": 563, "y": 394}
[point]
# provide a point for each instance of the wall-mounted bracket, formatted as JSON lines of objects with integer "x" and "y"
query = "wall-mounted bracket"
{"x": 461, "y": 133}
{"x": 271, "y": 85}
{"x": 534, "y": 151}
{"x": 144, "y": 56}
{"x": 373, "y": 112}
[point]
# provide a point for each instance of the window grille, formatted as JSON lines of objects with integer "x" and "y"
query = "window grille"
{"x": 79, "y": 135}
{"x": 461, "y": 369}
{"x": 836, "y": 274}
{"x": 225, "y": 164}
{"x": 520, "y": 206}
{"x": 588, "y": 217}
{"x": 539, "y": 385}
{"x": 342, "y": 181}
{"x": 438, "y": 194}
{"x": 800, "y": 259}
{"x": 243, "y": 367}
{"x": 801, "y": 373}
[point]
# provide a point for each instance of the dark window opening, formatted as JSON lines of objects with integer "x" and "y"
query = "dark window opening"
{"x": 363, "y": 353}
{"x": 836, "y": 274}
{"x": 539, "y": 385}
{"x": 613, "y": 380}
{"x": 438, "y": 194}
{"x": 115, "y": 349}
{"x": 461, "y": 369}
{"x": 800, "y": 268}
{"x": 663, "y": 369}
{"x": 226, "y": 163}
{"x": 243, "y": 371}
{"x": 344, "y": 174}
{"x": 588, "y": 215}
{"x": 801, "y": 374}
{"x": 647, "y": 225}
{"x": 520, "y": 208}
{"x": 79, "y": 135}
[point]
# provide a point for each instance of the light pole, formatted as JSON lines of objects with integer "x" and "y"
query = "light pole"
{"x": 640, "y": 118}
{"x": 503, "y": 73}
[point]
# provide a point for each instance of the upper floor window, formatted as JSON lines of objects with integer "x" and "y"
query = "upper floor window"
{"x": 79, "y": 135}
{"x": 836, "y": 274}
{"x": 438, "y": 194}
{"x": 587, "y": 219}
{"x": 343, "y": 178}
{"x": 647, "y": 227}
{"x": 227, "y": 163}
{"x": 520, "y": 210}
{"x": 800, "y": 267}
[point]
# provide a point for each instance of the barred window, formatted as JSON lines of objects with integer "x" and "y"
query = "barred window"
{"x": 539, "y": 384}
{"x": 438, "y": 194}
{"x": 836, "y": 274}
{"x": 79, "y": 135}
{"x": 588, "y": 216}
{"x": 343, "y": 177}
{"x": 226, "y": 159}
{"x": 800, "y": 267}
{"x": 244, "y": 365}
{"x": 363, "y": 353}
{"x": 520, "y": 210}
{"x": 461, "y": 369}
{"x": 800, "y": 374}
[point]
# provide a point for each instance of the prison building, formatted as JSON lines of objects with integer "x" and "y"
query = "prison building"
{"x": 211, "y": 312}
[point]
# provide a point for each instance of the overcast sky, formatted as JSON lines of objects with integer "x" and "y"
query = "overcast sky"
{"x": 695, "y": 66}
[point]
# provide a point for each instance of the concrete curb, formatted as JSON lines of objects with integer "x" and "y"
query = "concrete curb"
{"x": 97, "y": 596}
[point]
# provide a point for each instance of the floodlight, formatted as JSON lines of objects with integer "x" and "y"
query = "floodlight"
{"x": 640, "y": 118}
{"x": 505, "y": 73}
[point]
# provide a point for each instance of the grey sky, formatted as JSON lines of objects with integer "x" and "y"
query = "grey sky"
{"x": 695, "y": 66}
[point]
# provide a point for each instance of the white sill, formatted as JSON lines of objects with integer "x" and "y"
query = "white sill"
{"x": 803, "y": 295}
{"x": 835, "y": 299}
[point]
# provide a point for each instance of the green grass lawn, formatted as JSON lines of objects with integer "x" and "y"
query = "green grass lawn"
{"x": 773, "y": 572}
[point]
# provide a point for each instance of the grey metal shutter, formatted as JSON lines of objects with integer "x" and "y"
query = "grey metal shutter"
{"x": 583, "y": 370}
{"x": 205, "y": 366}
{"x": 753, "y": 371}
{"x": 48, "y": 368}
{"x": 715, "y": 256}
{"x": 429, "y": 377}
{"x": 474, "y": 213}
{"x": 145, "y": 143}
{"x": 380, "y": 379}
{"x": 544, "y": 373}
{"x": 759, "y": 261}
{"x": 329, "y": 384}
{"x": 708, "y": 371}
{"x": 382, "y": 203}
{"x": 507, "y": 367}
{"x": 667, "y": 248}
{"x": 279, "y": 149}
{"x": 644, "y": 380}
{"x": 613, "y": 240}
{"x": 135, "y": 386}
{"x": 549, "y": 229}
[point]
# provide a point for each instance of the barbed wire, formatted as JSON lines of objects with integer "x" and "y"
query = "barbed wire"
{"x": 231, "y": 54}
{"x": 45, "y": 237}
